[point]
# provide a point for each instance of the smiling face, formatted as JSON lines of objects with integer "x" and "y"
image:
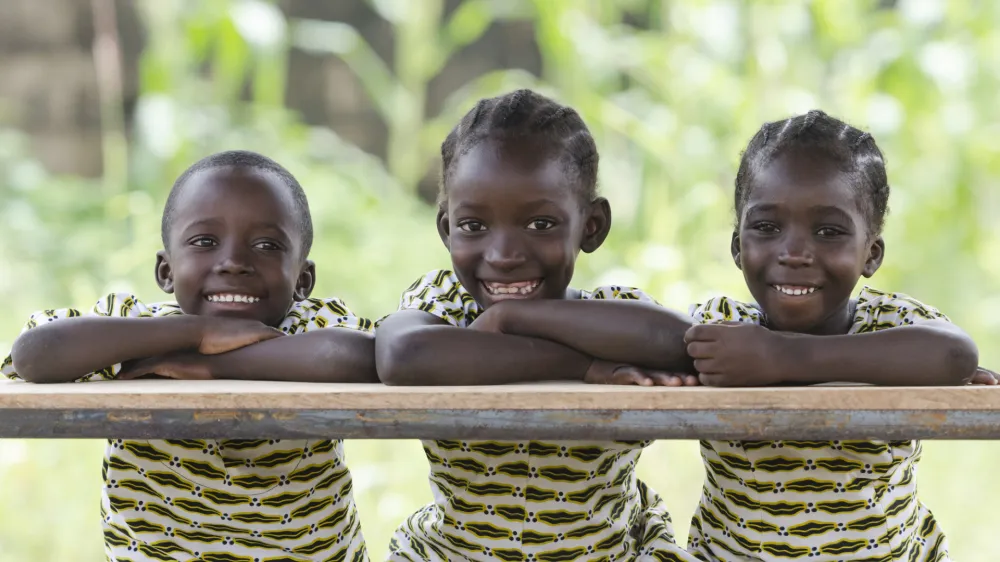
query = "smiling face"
{"x": 514, "y": 223}
{"x": 803, "y": 243}
{"x": 235, "y": 248}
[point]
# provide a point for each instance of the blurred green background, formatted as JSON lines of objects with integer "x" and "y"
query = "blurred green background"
{"x": 671, "y": 89}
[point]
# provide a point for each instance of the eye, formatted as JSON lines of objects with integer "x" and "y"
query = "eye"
{"x": 829, "y": 232}
{"x": 267, "y": 245}
{"x": 471, "y": 226}
{"x": 203, "y": 242}
{"x": 765, "y": 227}
{"x": 541, "y": 224}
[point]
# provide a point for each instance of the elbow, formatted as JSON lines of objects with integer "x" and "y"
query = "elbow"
{"x": 961, "y": 360}
{"x": 396, "y": 358}
{"x": 28, "y": 356}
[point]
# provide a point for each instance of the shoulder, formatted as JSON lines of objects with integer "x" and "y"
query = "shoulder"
{"x": 313, "y": 313}
{"x": 441, "y": 294}
{"x": 725, "y": 309}
{"x": 616, "y": 292}
{"x": 127, "y": 305}
{"x": 878, "y": 310}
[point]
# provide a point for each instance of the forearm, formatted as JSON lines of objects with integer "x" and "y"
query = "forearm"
{"x": 68, "y": 349}
{"x": 445, "y": 355}
{"x": 327, "y": 355}
{"x": 640, "y": 334}
{"x": 920, "y": 355}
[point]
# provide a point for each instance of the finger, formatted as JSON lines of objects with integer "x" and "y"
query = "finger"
{"x": 984, "y": 377}
{"x": 630, "y": 375}
{"x": 706, "y": 366}
{"x": 702, "y": 349}
{"x": 666, "y": 379}
{"x": 691, "y": 380}
{"x": 702, "y": 332}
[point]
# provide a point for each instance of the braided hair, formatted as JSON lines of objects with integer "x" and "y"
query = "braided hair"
{"x": 850, "y": 148}
{"x": 520, "y": 115}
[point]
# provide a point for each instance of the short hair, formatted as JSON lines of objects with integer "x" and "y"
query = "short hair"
{"x": 852, "y": 149}
{"x": 248, "y": 160}
{"x": 521, "y": 114}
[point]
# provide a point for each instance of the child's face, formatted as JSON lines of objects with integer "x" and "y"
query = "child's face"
{"x": 514, "y": 222}
{"x": 803, "y": 243}
{"x": 235, "y": 248}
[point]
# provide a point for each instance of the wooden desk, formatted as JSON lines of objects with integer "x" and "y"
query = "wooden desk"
{"x": 239, "y": 409}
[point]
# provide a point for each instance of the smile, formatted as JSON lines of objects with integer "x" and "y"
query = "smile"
{"x": 512, "y": 290}
{"x": 794, "y": 290}
{"x": 232, "y": 297}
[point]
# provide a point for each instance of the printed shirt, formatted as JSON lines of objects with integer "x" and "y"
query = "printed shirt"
{"x": 530, "y": 500}
{"x": 229, "y": 500}
{"x": 821, "y": 501}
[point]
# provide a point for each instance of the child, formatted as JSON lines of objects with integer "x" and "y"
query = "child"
{"x": 811, "y": 197}
{"x": 236, "y": 233}
{"x": 518, "y": 204}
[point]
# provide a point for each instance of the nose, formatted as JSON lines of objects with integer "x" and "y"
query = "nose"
{"x": 234, "y": 260}
{"x": 505, "y": 253}
{"x": 797, "y": 252}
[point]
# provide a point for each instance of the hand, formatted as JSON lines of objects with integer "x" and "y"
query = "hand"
{"x": 180, "y": 366}
{"x": 737, "y": 354}
{"x": 985, "y": 377}
{"x": 222, "y": 334}
{"x": 607, "y": 372}
{"x": 491, "y": 320}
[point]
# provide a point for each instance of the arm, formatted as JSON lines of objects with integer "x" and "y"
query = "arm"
{"x": 932, "y": 353}
{"x": 327, "y": 355}
{"x": 626, "y": 331}
{"x": 417, "y": 348}
{"x": 68, "y": 349}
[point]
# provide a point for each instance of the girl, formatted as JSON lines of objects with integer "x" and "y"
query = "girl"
{"x": 236, "y": 233}
{"x": 518, "y": 203}
{"x": 811, "y": 197}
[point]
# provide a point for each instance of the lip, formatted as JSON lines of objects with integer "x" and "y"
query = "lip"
{"x": 535, "y": 289}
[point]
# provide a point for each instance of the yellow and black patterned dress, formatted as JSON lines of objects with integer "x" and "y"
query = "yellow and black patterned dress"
{"x": 227, "y": 500}
{"x": 530, "y": 500}
{"x": 821, "y": 501}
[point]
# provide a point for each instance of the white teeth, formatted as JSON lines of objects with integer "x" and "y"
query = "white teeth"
{"x": 794, "y": 291}
{"x": 522, "y": 288}
{"x": 232, "y": 298}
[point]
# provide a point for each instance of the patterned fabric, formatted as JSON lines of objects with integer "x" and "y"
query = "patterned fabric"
{"x": 819, "y": 501}
{"x": 229, "y": 500}
{"x": 530, "y": 500}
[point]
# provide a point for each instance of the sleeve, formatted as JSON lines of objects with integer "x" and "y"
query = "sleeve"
{"x": 117, "y": 305}
{"x": 613, "y": 292}
{"x": 725, "y": 309}
{"x": 315, "y": 313}
{"x": 440, "y": 294}
{"x": 878, "y": 310}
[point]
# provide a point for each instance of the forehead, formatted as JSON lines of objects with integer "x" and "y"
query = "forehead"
{"x": 804, "y": 177}
{"x": 512, "y": 167}
{"x": 236, "y": 191}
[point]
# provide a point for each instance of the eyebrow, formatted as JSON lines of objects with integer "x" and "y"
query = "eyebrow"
{"x": 532, "y": 204}
{"x": 814, "y": 210}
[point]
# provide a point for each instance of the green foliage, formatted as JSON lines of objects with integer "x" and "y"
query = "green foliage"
{"x": 672, "y": 91}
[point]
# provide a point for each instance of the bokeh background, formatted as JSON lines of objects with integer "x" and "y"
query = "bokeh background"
{"x": 104, "y": 102}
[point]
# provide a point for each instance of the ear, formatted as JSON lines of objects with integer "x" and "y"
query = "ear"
{"x": 444, "y": 227}
{"x": 598, "y": 225}
{"x": 164, "y": 273}
{"x": 734, "y": 248}
{"x": 875, "y": 256}
{"x": 306, "y": 282}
